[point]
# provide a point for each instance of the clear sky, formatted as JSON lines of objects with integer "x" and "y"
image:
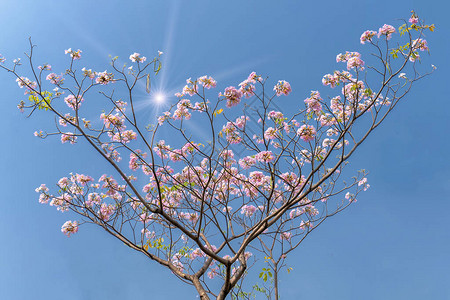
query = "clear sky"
{"x": 393, "y": 244}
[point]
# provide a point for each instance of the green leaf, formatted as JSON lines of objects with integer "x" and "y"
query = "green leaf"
{"x": 156, "y": 69}
{"x": 41, "y": 103}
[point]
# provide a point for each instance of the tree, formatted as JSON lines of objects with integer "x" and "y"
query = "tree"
{"x": 245, "y": 196}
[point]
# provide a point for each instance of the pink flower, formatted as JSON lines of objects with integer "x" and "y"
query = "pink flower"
{"x": 386, "y": 30}
{"x": 55, "y": 79}
{"x": 420, "y": 44}
{"x": 148, "y": 234}
{"x": 93, "y": 198}
{"x": 104, "y": 78}
{"x": 350, "y": 197}
{"x": 136, "y": 57}
{"x": 124, "y": 136}
{"x": 232, "y": 95}
{"x": 313, "y": 102}
{"x": 207, "y": 82}
{"x": 182, "y": 111}
{"x": 330, "y": 80}
{"x": 192, "y": 217}
{"x": 355, "y": 62}
{"x": 363, "y": 182}
{"x": 89, "y": 73}
{"x": 73, "y": 54}
{"x": 197, "y": 253}
{"x": 106, "y": 211}
{"x": 248, "y": 210}
{"x": 413, "y": 20}
{"x": 285, "y": 236}
{"x": 45, "y": 67}
{"x": 367, "y": 36}
{"x": 68, "y": 137}
{"x": 252, "y": 78}
{"x": 44, "y": 197}
{"x": 305, "y": 225}
{"x": 25, "y": 82}
{"x": 227, "y": 154}
{"x": 265, "y": 156}
{"x": 275, "y": 115}
{"x": 190, "y": 89}
{"x": 42, "y": 189}
{"x": 307, "y": 132}
{"x": 247, "y": 88}
{"x": 247, "y": 162}
{"x": 270, "y": 133}
{"x": 83, "y": 179}
{"x": 69, "y": 227}
{"x": 282, "y": 88}
{"x": 72, "y": 102}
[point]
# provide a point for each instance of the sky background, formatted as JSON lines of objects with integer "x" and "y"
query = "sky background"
{"x": 393, "y": 244}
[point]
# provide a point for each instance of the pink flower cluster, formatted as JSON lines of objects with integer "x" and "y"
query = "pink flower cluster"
{"x": 353, "y": 60}
{"x": 248, "y": 210}
{"x": 89, "y": 73}
{"x": 355, "y": 63}
{"x": 367, "y": 36}
{"x": 413, "y": 20}
{"x": 282, "y": 88}
{"x": 182, "y": 110}
{"x": 275, "y": 115}
{"x": 73, "y": 54}
{"x": 104, "y": 78}
{"x": 364, "y": 184}
{"x": 136, "y": 57}
{"x": 44, "y": 197}
{"x": 247, "y": 87}
{"x": 207, "y": 82}
{"x": 68, "y": 137}
{"x": 45, "y": 67}
{"x": 106, "y": 211}
{"x": 190, "y": 88}
{"x": 69, "y": 228}
{"x": 265, "y": 156}
{"x": 314, "y": 102}
{"x": 192, "y": 217}
{"x": 125, "y": 136}
{"x": 285, "y": 236}
{"x": 270, "y": 133}
{"x": 307, "y": 132}
{"x": 386, "y": 30}
{"x": 72, "y": 102}
{"x": 247, "y": 162}
{"x": 55, "y": 79}
{"x": 420, "y": 44}
{"x": 27, "y": 83}
{"x": 232, "y": 129}
{"x": 232, "y": 95}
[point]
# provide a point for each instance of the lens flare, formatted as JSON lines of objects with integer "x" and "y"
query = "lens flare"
{"x": 159, "y": 98}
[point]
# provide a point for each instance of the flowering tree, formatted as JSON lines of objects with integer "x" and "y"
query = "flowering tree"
{"x": 246, "y": 196}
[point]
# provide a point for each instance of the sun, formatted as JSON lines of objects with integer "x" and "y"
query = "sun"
{"x": 159, "y": 98}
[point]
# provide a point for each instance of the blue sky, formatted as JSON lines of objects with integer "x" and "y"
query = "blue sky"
{"x": 393, "y": 244}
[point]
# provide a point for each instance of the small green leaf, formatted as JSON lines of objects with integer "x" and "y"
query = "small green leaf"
{"x": 157, "y": 68}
